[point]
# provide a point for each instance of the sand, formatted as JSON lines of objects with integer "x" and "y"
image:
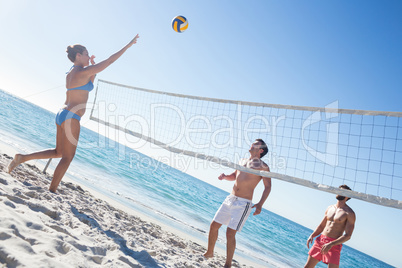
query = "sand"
{"x": 77, "y": 228}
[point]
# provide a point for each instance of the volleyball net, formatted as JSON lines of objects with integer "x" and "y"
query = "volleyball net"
{"x": 320, "y": 148}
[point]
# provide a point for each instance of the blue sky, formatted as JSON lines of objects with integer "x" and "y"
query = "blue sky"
{"x": 308, "y": 53}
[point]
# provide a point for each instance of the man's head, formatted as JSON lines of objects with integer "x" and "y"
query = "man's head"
{"x": 259, "y": 146}
{"x": 340, "y": 197}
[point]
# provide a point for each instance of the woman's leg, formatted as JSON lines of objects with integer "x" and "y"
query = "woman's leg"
{"x": 69, "y": 141}
{"x": 46, "y": 154}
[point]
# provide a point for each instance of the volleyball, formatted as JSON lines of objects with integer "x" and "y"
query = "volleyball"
{"x": 179, "y": 24}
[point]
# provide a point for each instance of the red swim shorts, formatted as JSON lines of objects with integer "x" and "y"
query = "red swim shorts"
{"x": 334, "y": 254}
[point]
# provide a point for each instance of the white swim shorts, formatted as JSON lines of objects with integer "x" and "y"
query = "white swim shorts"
{"x": 234, "y": 212}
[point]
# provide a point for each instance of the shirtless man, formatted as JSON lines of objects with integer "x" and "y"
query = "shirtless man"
{"x": 336, "y": 228}
{"x": 237, "y": 206}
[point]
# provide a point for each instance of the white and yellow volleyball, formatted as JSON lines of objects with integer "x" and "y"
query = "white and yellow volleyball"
{"x": 179, "y": 24}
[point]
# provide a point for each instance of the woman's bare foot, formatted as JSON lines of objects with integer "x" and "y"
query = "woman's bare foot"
{"x": 208, "y": 255}
{"x": 16, "y": 161}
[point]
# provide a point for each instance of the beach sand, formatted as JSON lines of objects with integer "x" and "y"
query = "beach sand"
{"x": 80, "y": 228}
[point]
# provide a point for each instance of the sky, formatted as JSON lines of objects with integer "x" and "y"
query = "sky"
{"x": 308, "y": 53}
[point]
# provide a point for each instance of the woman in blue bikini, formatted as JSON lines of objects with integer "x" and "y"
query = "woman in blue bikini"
{"x": 79, "y": 83}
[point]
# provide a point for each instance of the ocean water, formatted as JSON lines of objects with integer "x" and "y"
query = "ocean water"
{"x": 160, "y": 191}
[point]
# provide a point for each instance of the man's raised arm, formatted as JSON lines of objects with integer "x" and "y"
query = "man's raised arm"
{"x": 230, "y": 177}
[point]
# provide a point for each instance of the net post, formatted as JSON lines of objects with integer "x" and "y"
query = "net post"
{"x": 47, "y": 165}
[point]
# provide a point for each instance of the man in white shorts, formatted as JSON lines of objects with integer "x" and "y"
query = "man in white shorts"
{"x": 238, "y": 205}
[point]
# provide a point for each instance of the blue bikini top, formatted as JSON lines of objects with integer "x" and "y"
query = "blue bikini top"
{"x": 88, "y": 87}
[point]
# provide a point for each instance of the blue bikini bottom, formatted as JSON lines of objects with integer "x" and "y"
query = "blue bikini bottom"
{"x": 65, "y": 114}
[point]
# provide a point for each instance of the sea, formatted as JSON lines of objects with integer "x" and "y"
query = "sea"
{"x": 160, "y": 191}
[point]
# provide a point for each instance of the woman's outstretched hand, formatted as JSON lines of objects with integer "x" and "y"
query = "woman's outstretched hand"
{"x": 134, "y": 40}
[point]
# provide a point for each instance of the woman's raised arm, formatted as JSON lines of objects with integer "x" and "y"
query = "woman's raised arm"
{"x": 99, "y": 67}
